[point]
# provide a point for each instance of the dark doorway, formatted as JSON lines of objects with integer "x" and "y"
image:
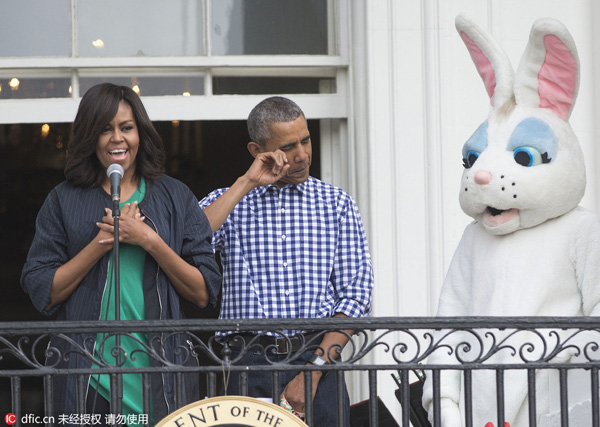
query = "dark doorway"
{"x": 205, "y": 155}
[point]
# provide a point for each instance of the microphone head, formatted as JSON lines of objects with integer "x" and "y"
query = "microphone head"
{"x": 115, "y": 168}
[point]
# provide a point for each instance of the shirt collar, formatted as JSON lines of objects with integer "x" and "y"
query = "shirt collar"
{"x": 301, "y": 188}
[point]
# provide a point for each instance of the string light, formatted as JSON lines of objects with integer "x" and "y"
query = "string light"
{"x": 45, "y": 130}
{"x": 14, "y": 83}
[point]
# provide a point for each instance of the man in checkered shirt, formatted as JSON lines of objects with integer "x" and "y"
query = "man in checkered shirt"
{"x": 291, "y": 247}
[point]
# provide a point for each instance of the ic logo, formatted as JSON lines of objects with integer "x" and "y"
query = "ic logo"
{"x": 10, "y": 419}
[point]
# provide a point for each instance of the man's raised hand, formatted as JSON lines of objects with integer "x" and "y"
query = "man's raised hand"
{"x": 268, "y": 168}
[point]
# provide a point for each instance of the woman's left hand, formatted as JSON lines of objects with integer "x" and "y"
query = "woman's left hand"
{"x": 132, "y": 228}
{"x": 187, "y": 279}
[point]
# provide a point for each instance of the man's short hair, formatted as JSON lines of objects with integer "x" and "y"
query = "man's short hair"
{"x": 271, "y": 110}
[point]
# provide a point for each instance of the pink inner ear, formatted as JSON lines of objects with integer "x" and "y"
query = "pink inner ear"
{"x": 557, "y": 78}
{"x": 483, "y": 65}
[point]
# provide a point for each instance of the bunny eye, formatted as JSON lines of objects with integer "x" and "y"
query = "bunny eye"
{"x": 468, "y": 161}
{"x": 530, "y": 138}
{"x": 529, "y": 156}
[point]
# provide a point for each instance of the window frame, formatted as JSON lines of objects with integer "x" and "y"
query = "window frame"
{"x": 196, "y": 107}
{"x": 335, "y": 110}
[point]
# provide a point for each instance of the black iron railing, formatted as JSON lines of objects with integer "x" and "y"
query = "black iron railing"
{"x": 403, "y": 345}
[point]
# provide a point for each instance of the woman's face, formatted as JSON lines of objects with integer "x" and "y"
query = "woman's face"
{"x": 119, "y": 140}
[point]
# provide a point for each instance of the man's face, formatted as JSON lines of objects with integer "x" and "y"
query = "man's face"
{"x": 294, "y": 140}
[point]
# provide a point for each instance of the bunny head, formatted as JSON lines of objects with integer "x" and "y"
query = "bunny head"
{"x": 523, "y": 165}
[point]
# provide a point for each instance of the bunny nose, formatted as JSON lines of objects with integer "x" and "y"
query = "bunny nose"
{"x": 483, "y": 177}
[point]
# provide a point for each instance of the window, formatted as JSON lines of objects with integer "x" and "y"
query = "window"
{"x": 269, "y": 27}
{"x": 35, "y": 28}
{"x": 140, "y": 28}
{"x": 52, "y": 84}
{"x": 176, "y": 48}
{"x": 148, "y": 84}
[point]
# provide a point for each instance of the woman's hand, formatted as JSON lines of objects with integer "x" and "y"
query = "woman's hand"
{"x": 132, "y": 228}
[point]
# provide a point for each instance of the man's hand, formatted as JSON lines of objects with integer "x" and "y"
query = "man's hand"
{"x": 331, "y": 344}
{"x": 268, "y": 168}
{"x": 294, "y": 391}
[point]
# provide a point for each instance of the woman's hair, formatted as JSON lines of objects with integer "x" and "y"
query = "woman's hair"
{"x": 275, "y": 109}
{"x": 96, "y": 110}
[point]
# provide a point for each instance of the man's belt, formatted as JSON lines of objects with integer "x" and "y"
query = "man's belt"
{"x": 281, "y": 345}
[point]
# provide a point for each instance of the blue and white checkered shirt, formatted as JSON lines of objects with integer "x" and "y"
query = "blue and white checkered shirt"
{"x": 295, "y": 252}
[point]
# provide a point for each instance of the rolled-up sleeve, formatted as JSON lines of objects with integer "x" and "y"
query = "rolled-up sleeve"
{"x": 352, "y": 270}
{"x": 46, "y": 254}
{"x": 197, "y": 249}
{"x": 217, "y": 236}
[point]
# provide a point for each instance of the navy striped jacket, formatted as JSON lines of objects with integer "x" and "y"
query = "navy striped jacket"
{"x": 66, "y": 223}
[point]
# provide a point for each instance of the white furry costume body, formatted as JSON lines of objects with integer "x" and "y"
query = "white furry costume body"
{"x": 552, "y": 269}
{"x": 531, "y": 251}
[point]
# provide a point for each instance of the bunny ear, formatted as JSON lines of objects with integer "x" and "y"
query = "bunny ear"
{"x": 491, "y": 61}
{"x": 548, "y": 75}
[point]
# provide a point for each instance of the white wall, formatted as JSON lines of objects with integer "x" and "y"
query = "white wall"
{"x": 422, "y": 99}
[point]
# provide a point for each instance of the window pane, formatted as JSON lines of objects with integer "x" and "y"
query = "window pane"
{"x": 271, "y": 85}
{"x": 47, "y": 87}
{"x": 35, "y": 28}
{"x": 269, "y": 27}
{"x": 140, "y": 28}
{"x": 150, "y": 86}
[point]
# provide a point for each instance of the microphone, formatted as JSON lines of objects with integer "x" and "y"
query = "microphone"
{"x": 115, "y": 173}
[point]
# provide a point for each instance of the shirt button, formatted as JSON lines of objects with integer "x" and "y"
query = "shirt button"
{"x": 282, "y": 210}
{"x": 287, "y": 292}
{"x": 283, "y": 236}
{"x": 285, "y": 264}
